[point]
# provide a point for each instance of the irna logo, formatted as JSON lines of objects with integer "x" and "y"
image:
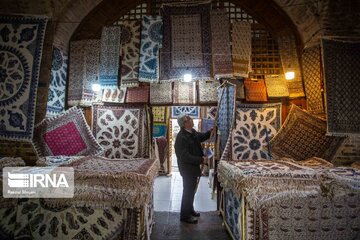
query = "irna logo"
{"x": 23, "y": 180}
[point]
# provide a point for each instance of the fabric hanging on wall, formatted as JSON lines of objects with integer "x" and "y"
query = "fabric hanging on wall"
{"x": 255, "y": 90}
{"x": 21, "y": 45}
{"x": 192, "y": 111}
{"x": 121, "y": 131}
{"x": 276, "y": 86}
{"x": 209, "y": 112}
{"x": 159, "y": 114}
{"x": 290, "y": 62}
{"x": 249, "y": 138}
{"x": 312, "y": 79}
{"x": 115, "y": 95}
{"x": 151, "y": 40}
{"x": 240, "y": 88}
{"x": 138, "y": 94}
{"x": 161, "y": 93}
{"x": 162, "y": 146}
{"x": 220, "y": 43}
{"x": 159, "y": 130}
{"x": 206, "y": 125}
{"x": 184, "y": 93}
{"x": 83, "y": 71}
{"x": 57, "y": 86}
{"x": 109, "y": 56}
{"x": 208, "y": 91}
{"x": 130, "y": 53}
{"x": 241, "y": 48}
{"x": 341, "y": 62}
{"x": 187, "y": 41}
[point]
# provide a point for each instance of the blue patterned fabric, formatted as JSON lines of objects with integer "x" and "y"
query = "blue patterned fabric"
{"x": 151, "y": 39}
{"x": 159, "y": 130}
{"x": 206, "y": 125}
{"x": 57, "y": 86}
{"x": 226, "y": 113}
{"x": 21, "y": 41}
{"x": 192, "y": 111}
{"x": 232, "y": 213}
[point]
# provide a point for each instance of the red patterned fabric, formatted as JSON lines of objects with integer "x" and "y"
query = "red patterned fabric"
{"x": 138, "y": 94}
{"x": 255, "y": 90}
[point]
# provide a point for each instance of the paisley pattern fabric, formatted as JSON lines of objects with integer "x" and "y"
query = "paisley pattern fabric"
{"x": 130, "y": 52}
{"x": 241, "y": 48}
{"x": 159, "y": 114}
{"x": 161, "y": 93}
{"x": 21, "y": 41}
{"x": 192, "y": 111}
{"x": 187, "y": 41}
{"x": 232, "y": 209}
{"x": 184, "y": 93}
{"x": 151, "y": 40}
{"x": 255, "y": 126}
{"x": 83, "y": 71}
{"x": 57, "y": 86}
{"x": 65, "y": 134}
{"x": 115, "y": 95}
{"x": 109, "y": 56}
{"x": 208, "y": 91}
{"x": 120, "y": 130}
{"x": 341, "y": 72}
{"x": 276, "y": 86}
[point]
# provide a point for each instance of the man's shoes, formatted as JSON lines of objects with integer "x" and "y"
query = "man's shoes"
{"x": 191, "y": 220}
{"x": 195, "y": 214}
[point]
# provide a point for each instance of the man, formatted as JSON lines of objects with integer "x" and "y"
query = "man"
{"x": 190, "y": 156}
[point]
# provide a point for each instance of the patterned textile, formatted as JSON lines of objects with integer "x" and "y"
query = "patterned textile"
{"x": 130, "y": 52}
{"x": 57, "y": 86}
{"x": 138, "y": 94}
{"x": 192, "y": 111}
{"x": 276, "y": 86}
{"x": 109, "y": 56}
{"x": 210, "y": 112}
{"x": 356, "y": 165}
{"x": 20, "y": 57}
{"x": 162, "y": 145}
{"x": 303, "y": 136}
{"x": 11, "y": 162}
{"x": 83, "y": 71}
{"x": 241, "y": 48}
{"x": 226, "y": 115}
{"x": 24, "y": 150}
{"x": 159, "y": 114}
{"x": 66, "y": 134}
{"x": 151, "y": 40}
{"x": 249, "y": 138}
{"x": 56, "y": 160}
{"x": 159, "y": 130}
{"x": 120, "y": 130}
{"x": 206, "y": 125}
{"x": 240, "y": 88}
{"x": 184, "y": 93}
{"x": 233, "y": 213}
{"x": 208, "y": 91}
{"x": 340, "y": 180}
{"x": 341, "y": 71}
{"x": 315, "y": 162}
{"x": 187, "y": 41}
{"x": 161, "y": 93}
{"x": 115, "y": 95}
{"x": 290, "y": 62}
{"x": 220, "y": 43}
{"x": 255, "y": 90}
{"x": 312, "y": 79}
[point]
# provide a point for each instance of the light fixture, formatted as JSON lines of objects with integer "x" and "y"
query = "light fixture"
{"x": 289, "y": 75}
{"x": 96, "y": 87}
{"x": 187, "y": 77}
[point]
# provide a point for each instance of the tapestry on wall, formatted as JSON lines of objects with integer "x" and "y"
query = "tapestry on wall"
{"x": 220, "y": 43}
{"x": 57, "y": 86}
{"x": 290, "y": 62}
{"x": 159, "y": 130}
{"x": 161, "y": 145}
{"x": 255, "y": 90}
{"x": 303, "y": 136}
{"x": 120, "y": 130}
{"x": 161, "y": 93}
{"x": 255, "y": 126}
{"x": 159, "y": 114}
{"x": 65, "y": 134}
{"x": 241, "y": 48}
{"x": 208, "y": 91}
{"x": 109, "y": 56}
{"x": 20, "y": 58}
{"x": 276, "y": 86}
{"x": 240, "y": 88}
{"x": 312, "y": 79}
{"x": 192, "y": 111}
{"x": 226, "y": 116}
{"x": 115, "y": 95}
{"x": 184, "y": 93}
{"x": 138, "y": 94}
{"x": 151, "y": 40}
{"x": 187, "y": 41}
{"x": 341, "y": 72}
{"x": 209, "y": 112}
{"x": 83, "y": 71}
{"x": 207, "y": 125}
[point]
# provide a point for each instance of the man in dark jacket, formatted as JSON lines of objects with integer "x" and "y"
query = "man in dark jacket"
{"x": 190, "y": 156}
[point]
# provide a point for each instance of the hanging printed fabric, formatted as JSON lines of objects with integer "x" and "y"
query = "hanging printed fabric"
{"x": 187, "y": 41}
{"x": 209, "y": 112}
{"x": 159, "y": 130}
{"x": 57, "y": 86}
{"x": 192, "y": 111}
{"x": 20, "y": 57}
{"x": 161, "y": 93}
{"x": 290, "y": 62}
{"x": 184, "y": 93}
{"x": 115, "y": 95}
{"x": 220, "y": 43}
{"x": 151, "y": 40}
{"x": 130, "y": 53}
{"x": 109, "y": 56}
{"x": 241, "y": 48}
{"x": 138, "y": 94}
{"x": 255, "y": 90}
{"x": 240, "y": 88}
{"x": 83, "y": 71}
{"x": 208, "y": 91}
{"x": 159, "y": 114}
{"x": 276, "y": 86}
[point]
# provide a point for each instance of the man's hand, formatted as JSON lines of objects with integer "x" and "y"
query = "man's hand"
{"x": 205, "y": 160}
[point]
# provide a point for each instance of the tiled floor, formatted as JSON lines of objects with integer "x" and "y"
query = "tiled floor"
{"x": 168, "y": 192}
